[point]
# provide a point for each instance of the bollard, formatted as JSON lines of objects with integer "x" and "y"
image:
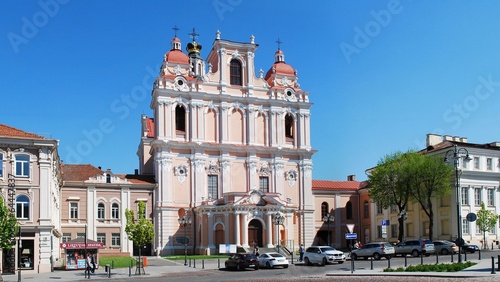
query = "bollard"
{"x": 129, "y": 271}
{"x": 112, "y": 264}
{"x": 422, "y": 258}
{"x": 189, "y": 262}
{"x": 498, "y": 262}
{"x": 493, "y": 265}
{"x": 202, "y": 264}
{"x": 352, "y": 265}
{"x": 465, "y": 255}
{"x": 479, "y": 255}
{"x": 292, "y": 257}
{"x": 406, "y": 260}
{"x": 388, "y": 262}
{"x": 194, "y": 263}
{"x": 452, "y": 254}
{"x": 371, "y": 263}
{"x": 437, "y": 258}
{"x": 218, "y": 263}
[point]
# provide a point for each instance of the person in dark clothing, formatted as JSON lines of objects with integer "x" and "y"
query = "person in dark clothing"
{"x": 301, "y": 252}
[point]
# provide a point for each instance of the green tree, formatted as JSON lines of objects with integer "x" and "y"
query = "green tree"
{"x": 8, "y": 225}
{"x": 486, "y": 220}
{"x": 429, "y": 178}
{"x": 139, "y": 230}
{"x": 389, "y": 184}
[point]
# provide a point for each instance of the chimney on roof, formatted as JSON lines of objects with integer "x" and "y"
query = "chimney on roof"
{"x": 99, "y": 168}
{"x": 136, "y": 171}
{"x": 433, "y": 139}
{"x": 351, "y": 177}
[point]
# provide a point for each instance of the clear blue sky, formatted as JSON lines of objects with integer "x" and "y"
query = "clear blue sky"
{"x": 381, "y": 74}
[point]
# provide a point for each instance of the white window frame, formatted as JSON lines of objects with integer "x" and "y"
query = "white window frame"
{"x": 21, "y": 166}
{"x": 477, "y": 164}
{"x": 115, "y": 211}
{"x": 477, "y": 196}
{"x": 465, "y": 226}
{"x": 115, "y": 239}
{"x": 489, "y": 163}
{"x": 21, "y": 212}
{"x": 101, "y": 211}
{"x": 465, "y": 196}
{"x": 491, "y": 196}
{"x": 73, "y": 211}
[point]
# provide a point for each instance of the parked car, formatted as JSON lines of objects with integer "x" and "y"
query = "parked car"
{"x": 445, "y": 247}
{"x": 241, "y": 261}
{"x": 415, "y": 247}
{"x": 467, "y": 248}
{"x": 376, "y": 250}
{"x": 271, "y": 260}
{"x": 323, "y": 255}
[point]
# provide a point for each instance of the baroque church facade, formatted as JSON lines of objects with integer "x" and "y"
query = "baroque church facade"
{"x": 230, "y": 150}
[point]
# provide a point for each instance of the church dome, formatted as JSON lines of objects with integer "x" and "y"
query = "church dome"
{"x": 175, "y": 55}
{"x": 280, "y": 67}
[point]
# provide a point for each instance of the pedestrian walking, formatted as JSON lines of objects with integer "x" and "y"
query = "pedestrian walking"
{"x": 301, "y": 252}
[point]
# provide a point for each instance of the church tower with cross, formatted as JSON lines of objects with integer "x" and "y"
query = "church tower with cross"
{"x": 230, "y": 150}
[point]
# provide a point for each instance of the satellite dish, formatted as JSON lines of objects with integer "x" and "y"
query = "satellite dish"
{"x": 471, "y": 217}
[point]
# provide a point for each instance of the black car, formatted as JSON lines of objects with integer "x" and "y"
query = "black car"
{"x": 242, "y": 261}
{"x": 466, "y": 248}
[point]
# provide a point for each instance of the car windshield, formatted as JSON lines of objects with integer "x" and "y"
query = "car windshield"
{"x": 326, "y": 249}
{"x": 276, "y": 255}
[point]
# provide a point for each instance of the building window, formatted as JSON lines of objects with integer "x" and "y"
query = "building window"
{"x": 465, "y": 226}
{"x": 213, "y": 186}
{"x": 366, "y": 209}
{"x": 180, "y": 118}
{"x": 66, "y": 237}
{"x": 465, "y": 196}
{"x": 393, "y": 208}
{"x": 394, "y": 230}
{"x": 101, "y": 237}
{"x": 115, "y": 211}
{"x": 489, "y": 164}
{"x": 80, "y": 235}
{"x": 477, "y": 196}
{"x": 23, "y": 165}
{"x": 73, "y": 210}
{"x": 379, "y": 231}
{"x": 1, "y": 165}
{"x": 324, "y": 209}
{"x": 289, "y": 126}
{"x": 264, "y": 184}
{"x": 491, "y": 197}
{"x": 100, "y": 211}
{"x": 115, "y": 239}
{"x": 348, "y": 210}
{"x": 235, "y": 72}
{"x": 108, "y": 178}
{"x": 379, "y": 209}
{"x": 476, "y": 163}
{"x": 23, "y": 207}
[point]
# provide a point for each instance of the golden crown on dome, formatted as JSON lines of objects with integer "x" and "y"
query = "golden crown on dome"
{"x": 193, "y": 47}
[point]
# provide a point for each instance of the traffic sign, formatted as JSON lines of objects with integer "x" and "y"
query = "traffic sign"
{"x": 351, "y": 236}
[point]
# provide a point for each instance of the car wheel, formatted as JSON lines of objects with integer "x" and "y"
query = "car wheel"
{"x": 376, "y": 256}
{"x": 285, "y": 266}
{"x": 268, "y": 265}
{"x": 227, "y": 266}
{"x": 340, "y": 261}
{"x": 256, "y": 267}
{"x": 445, "y": 252}
{"x": 323, "y": 262}
{"x": 238, "y": 267}
{"x": 415, "y": 253}
{"x": 306, "y": 261}
{"x": 354, "y": 256}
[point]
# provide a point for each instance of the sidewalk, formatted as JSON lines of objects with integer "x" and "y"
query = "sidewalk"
{"x": 158, "y": 267}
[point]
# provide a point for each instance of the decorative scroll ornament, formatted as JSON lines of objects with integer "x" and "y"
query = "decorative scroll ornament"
{"x": 213, "y": 168}
{"x": 291, "y": 177}
{"x": 181, "y": 172}
{"x": 265, "y": 170}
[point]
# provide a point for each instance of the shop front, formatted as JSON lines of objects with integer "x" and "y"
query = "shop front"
{"x": 75, "y": 252}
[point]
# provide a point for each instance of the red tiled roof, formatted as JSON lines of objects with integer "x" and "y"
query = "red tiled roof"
{"x": 9, "y": 131}
{"x": 79, "y": 172}
{"x": 335, "y": 185}
{"x": 138, "y": 178}
{"x": 176, "y": 56}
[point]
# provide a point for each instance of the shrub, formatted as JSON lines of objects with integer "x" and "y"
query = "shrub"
{"x": 443, "y": 267}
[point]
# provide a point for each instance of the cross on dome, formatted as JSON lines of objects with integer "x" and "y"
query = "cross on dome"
{"x": 193, "y": 35}
{"x": 175, "y": 28}
{"x": 279, "y": 43}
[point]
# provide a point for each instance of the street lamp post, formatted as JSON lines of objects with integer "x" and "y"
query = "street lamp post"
{"x": 185, "y": 221}
{"x": 455, "y": 155}
{"x": 327, "y": 219}
{"x": 278, "y": 220}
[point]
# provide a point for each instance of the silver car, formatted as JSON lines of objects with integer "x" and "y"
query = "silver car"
{"x": 444, "y": 247}
{"x": 376, "y": 250}
{"x": 323, "y": 255}
{"x": 415, "y": 247}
